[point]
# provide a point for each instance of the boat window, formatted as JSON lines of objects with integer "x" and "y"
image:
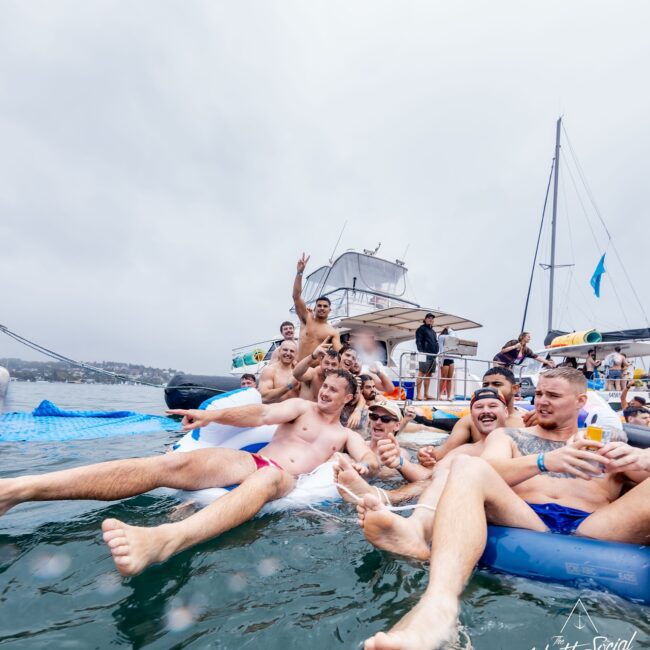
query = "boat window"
{"x": 364, "y": 273}
{"x": 312, "y": 286}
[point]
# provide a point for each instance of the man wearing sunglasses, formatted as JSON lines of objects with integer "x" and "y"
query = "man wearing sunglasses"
{"x": 411, "y": 536}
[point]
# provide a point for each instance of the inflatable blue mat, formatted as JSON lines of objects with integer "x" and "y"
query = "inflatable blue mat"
{"x": 623, "y": 569}
{"x": 50, "y": 423}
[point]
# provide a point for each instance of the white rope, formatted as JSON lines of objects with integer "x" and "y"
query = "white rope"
{"x": 387, "y": 504}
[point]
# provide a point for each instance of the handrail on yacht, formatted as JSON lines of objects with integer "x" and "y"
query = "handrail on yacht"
{"x": 436, "y": 378}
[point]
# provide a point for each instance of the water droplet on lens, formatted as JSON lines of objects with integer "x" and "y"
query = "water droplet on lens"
{"x": 179, "y": 619}
{"x": 268, "y": 566}
{"x": 108, "y": 583}
{"x": 237, "y": 582}
{"x": 47, "y": 566}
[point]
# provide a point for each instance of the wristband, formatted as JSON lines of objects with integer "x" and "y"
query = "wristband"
{"x": 401, "y": 461}
{"x": 540, "y": 463}
{"x": 290, "y": 386}
{"x": 299, "y": 273}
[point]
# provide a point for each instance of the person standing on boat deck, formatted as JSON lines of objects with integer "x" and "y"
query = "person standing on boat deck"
{"x": 516, "y": 351}
{"x": 311, "y": 379}
{"x": 247, "y": 381}
{"x": 615, "y": 364}
{"x": 314, "y": 325}
{"x": 446, "y": 383}
{"x": 307, "y": 435}
{"x": 276, "y": 380}
{"x": 543, "y": 478}
{"x": 591, "y": 364}
{"x": 288, "y": 332}
{"x": 426, "y": 342}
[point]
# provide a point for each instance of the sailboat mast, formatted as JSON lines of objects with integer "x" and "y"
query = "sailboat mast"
{"x": 553, "y": 225}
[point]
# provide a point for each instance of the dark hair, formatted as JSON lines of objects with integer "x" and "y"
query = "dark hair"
{"x": 247, "y": 375}
{"x": 364, "y": 379}
{"x": 429, "y": 315}
{"x": 631, "y": 411}
{"x": 617, "y": 348}
{"x": 640, "y": 400}
{"x": 349, "y": 377}
{"x": 504, "y": 372}
{"x": 286, "y": 322}
{"x": 345, "y": 348}
{"x": 326, "y": 299}
{"x": 445, "y": 331}
{"x": 331, "y": 352}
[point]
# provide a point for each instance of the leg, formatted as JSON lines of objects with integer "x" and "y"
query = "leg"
{"x": 474, "y": 492}
{"x": 427, "y": 381}
{"x": 625, "y": 520}
{"x": 120, "y": 479}
{"x": 418, "y": 384}
{"x": 134, "y": 548}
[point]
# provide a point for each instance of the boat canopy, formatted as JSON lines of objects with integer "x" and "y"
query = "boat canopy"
{"x": 631, "y": 348}
{"x": 357, "y": 272}
{"x": 400, "y": 323}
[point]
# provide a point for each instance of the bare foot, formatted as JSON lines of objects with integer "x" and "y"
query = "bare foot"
{"x": 429, "y": 625}
{"x": 134, "y": 548}
{"x": 346, "y": 475}
{"x": 390, "y": 532}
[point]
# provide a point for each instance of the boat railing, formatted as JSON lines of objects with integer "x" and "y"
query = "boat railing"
{"x": 253, "y": 353}
{"x": 468, "y": 373}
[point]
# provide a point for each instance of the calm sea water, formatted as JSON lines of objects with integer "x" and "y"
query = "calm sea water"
{"x": 295, "y": 580}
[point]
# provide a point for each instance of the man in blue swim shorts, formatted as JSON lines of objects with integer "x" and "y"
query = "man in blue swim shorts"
{"x": 546, "y": 478}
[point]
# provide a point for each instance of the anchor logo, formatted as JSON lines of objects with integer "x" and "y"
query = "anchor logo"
{"x": 579, "y": 610}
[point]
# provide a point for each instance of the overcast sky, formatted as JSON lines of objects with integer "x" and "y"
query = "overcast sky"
{"x": 163, "y": 164}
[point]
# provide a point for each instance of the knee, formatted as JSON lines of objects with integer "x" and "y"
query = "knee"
{"x": 176, "y": 461}
{"x": 469, "y": 468}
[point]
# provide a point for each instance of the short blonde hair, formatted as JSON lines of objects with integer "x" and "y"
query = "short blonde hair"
{"x": 573, "y": 376}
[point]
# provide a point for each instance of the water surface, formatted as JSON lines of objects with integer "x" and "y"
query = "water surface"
{"x": 293, "y": 580}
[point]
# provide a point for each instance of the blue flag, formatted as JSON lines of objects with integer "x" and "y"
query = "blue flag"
{"x": 598, "y": 273}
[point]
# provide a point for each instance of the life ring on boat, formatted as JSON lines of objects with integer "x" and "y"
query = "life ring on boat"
{"x": 397, "y": 393}
{"x": 313, "y": 488}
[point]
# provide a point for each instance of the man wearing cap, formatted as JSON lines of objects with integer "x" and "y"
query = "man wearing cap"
{"x": 426, "y": 342}
{"x": 387, "y": 530}
{"x": 384, "y": 418}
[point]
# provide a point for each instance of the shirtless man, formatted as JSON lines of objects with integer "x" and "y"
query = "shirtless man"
{"x": 311, "y": 379}
{"x": 412, "y": 536}
{"x": 276, "y": 381}
{"x": 288, "y": 332}
{"x": 315, "y": 327}
{"x": 307, "y": 435}
{"x": 542, "y": 478}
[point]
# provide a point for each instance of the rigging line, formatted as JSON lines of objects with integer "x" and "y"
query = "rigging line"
{"x": 539, "y": 235}
{"x": 80, "y": 364}
{"x": 584, "y": 209}
{"x": 602, "y": 221}
{"x": 620, "y": 304}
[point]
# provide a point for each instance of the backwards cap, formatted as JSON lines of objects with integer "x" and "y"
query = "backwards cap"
{"x": 486, "y": 393}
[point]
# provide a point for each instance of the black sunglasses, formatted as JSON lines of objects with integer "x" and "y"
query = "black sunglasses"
{"x": 384, "y": 418}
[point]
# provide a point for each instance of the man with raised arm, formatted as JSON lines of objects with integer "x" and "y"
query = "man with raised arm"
{"x": 307, "y": 435}
{"x": 543, "y": 478}
{"x": 276, "y": 380}
{"x": 314, "y": 325}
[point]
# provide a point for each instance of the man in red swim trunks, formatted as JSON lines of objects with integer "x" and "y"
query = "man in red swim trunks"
{"x": 544, "y": 478}
{"x": 308, "y": 434}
